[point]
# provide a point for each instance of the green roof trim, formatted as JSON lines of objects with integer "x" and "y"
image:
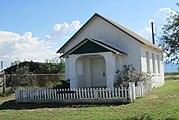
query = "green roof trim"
{"x": 90, "y": 47}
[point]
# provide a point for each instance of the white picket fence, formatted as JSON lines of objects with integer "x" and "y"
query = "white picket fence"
{"x": 142, "y": 89}
{"x": 79, "y": 95}
{"x": 47, "y": 95}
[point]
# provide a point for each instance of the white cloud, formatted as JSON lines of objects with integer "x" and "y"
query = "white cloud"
{"x": 165, "y": 11}
{"x": 159, "y": 20}
{"x": 27, "y": 47}
{"x": 146, "y": 33}
{"x": 162, "y": 14}
{"x": 63, "y": 31}
{"x": 151, "y": 20}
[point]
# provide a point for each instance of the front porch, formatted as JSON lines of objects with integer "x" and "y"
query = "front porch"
{"x": 92, "y": 70}
{"x": 91, "y": 63}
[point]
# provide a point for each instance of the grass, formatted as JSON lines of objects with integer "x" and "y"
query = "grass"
{"x": 172, "y": 77}
{"x": 161, "y": 104}
{"x": 0, "y": 90}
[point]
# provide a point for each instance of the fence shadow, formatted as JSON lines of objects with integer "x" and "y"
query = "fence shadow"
{"x": 12, "y": 105}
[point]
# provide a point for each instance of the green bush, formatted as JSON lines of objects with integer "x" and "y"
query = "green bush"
{"x": 130, "y": 74}
{"x": 63, "y": 84}
{"x": 8, "y": 92}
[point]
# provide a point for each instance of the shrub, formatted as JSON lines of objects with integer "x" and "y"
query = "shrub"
{"x": 130, "y": 74}
{"x": 8, "y": 92}
{"x": 22, "y": 77}
{"x": 63, "y": 84}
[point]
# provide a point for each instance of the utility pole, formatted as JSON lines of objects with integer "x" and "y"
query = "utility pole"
{"x": 153, "y": 39}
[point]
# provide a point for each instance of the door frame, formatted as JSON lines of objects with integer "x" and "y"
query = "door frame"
{"x": 103, "y": 72}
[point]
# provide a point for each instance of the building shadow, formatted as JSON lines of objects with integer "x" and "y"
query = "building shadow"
{"x": 12, "y": 105}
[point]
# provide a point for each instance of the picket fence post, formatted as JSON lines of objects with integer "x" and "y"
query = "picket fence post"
{"x": 131, "y": 90}
{"x": 141, "y": 86}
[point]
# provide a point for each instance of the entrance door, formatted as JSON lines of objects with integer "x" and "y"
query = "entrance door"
{"x": 98, "y": 72}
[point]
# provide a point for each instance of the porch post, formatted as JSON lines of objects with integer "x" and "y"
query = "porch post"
{"x": 72, "y": 70}
{"x": 110, "y": 60}
{"x": 67, "y": 70}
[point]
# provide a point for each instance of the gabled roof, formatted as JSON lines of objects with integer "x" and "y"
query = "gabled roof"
{"x": 118, "y": 26}
{"x": 104, "y": 47}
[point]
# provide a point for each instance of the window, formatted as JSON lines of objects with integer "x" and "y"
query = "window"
{"x": 158, "y": 63}
{"x": 147, "y": 62}
{"x": 153, "y": 63}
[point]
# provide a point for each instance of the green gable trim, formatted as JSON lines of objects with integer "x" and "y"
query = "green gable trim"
{"x": 90, "y": 47}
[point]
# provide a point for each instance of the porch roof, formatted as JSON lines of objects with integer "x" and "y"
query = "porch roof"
{"x": 101, "y": 46}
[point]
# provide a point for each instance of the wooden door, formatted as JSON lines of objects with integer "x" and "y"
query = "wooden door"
{"x": 98, "y": 72}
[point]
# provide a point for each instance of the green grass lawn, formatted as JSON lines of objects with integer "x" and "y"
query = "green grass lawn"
{"x": 173, "y": 77}
{"x": 162, "y": 103}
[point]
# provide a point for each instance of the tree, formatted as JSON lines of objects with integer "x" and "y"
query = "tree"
{"x": 16, "y": 62}
{"x": 52, "y": 68}
{"x": 22, "y": 77}
{"x": 170, "y": 39}
{"x": 54, "y": 73}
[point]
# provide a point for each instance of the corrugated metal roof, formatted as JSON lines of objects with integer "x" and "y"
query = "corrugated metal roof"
{"x": 131, "y": 33}
{"x": 118, "y": 26}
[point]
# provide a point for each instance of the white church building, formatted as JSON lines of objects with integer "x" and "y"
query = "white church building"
{"x": 101, "y": 47}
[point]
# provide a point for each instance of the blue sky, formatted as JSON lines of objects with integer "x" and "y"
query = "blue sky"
{"x": 36, "y": 29}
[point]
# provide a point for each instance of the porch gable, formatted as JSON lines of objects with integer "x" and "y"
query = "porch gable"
{"x": 92, "y": 46}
